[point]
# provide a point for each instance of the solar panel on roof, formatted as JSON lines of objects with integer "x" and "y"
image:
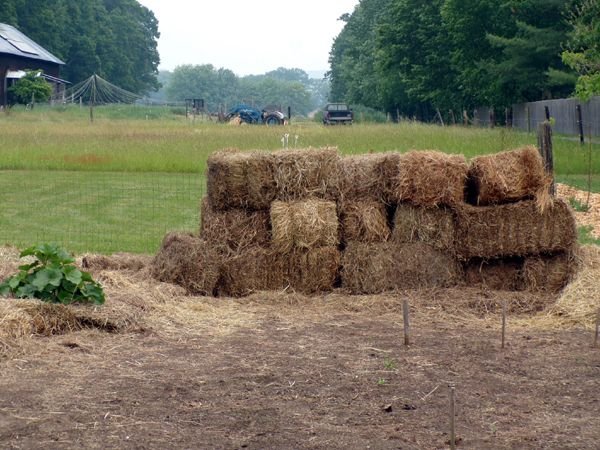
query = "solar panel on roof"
{"x": 23, "y": 46}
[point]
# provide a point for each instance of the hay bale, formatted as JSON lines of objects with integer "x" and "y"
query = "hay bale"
{"x": 261, "y": 269}
{"x": 240, "y": 180}
{"x": 508, "y": 177}
{"x": 514, "y": 229}
{"x": 364, "y": 221}
{"x": 496, "y": 274}
{"x": 300, "y": 174}
{"x": 380, "y": 267}
{"x": 360, "y": 177}
{"x": 304, "y": 224}
{"x": 433, "y": 226}
{"x": 188, "y": 261}
{"x": 22, "y": 318}
{"x": 234, "y": 229}
{"x": 428, "y": 178}
{"x": 386, "y": 172}
{"x": 549, "y": 273}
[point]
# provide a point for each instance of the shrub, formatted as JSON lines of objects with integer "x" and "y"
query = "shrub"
{"x": 52, "y": 277}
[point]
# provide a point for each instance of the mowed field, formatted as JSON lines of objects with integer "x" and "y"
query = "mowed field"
{"x": 155, "y": 368}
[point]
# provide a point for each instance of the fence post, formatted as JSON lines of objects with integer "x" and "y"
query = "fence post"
{"x": 545, "y": 147}
{"x": 527, "y": 110}
{"x": 492, "y": 118}
{"x": 547, "y": 112}
{"x": 475, "y": 120}
{"x": 406, "y": 316}
{"x": 580, "y": 124}
{"x": 465, "y": 118}
{"x": 452, "y": 414}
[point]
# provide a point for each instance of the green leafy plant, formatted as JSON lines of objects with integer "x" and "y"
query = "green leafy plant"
{"x": 32, "y": 87}
{"x": 52, "y": 277}
{"x": 389, "y": 364}
{"x": 381, "y": 381}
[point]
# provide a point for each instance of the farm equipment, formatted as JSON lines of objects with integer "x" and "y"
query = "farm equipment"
{"x": 250, "y": 115}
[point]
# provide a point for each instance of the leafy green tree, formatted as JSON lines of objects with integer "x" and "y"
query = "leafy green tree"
{"x": 31, "y": 88}
{"x": 583, "y": 54}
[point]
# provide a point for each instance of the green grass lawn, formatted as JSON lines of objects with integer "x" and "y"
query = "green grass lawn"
{"x": 120, "y": 183}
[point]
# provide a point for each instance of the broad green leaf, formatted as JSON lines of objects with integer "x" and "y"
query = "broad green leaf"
{"x": 5, "y": 290}
{"x": 26, "y": 291}
{"x": 65, "y": 297}
{"x": 47, "y": 276}
{"x": 28, "y": 267}
{"x": 73, "y": 274}
{"x": 14, "y": 282}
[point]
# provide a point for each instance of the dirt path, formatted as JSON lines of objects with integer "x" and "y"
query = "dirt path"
{"x": 280, "y": 379}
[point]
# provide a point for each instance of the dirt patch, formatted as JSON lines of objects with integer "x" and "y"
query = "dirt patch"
{"x": 282, "y": 370}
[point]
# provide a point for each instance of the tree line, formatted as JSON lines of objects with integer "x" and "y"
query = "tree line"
{"x": 222, "y": 89}
{"x": 415, "y": 57}
{"x": 116, "y": 39}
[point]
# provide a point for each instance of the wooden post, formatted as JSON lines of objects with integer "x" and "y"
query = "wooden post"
{"x": 503, "y": 323}
{"x": 289, "y": 114}
{"x": 580, "y": 124}
{"x": 439, "y": 114}
{"x": 465, "y": 117}
{"x": 597, "y": 328}
{"x": 452, "y": 422}
{"x": 545, "y": 148}
{"x": 492, "y": 118}
{"x": 547, "y": 112}
{"x": 406, "y": 315}
{"x": 528, "y": 112}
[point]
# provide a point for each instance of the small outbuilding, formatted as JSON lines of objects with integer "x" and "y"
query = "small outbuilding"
{"x": 18, "y": 53}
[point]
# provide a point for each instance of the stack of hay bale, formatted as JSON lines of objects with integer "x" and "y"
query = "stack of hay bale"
{"x": 311, "y": 220}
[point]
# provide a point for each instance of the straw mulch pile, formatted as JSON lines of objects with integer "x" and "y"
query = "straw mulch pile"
{"x": 508, "y": 177}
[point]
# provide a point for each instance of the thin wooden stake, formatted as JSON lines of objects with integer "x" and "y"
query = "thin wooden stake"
{"x": 406, "y": 314}
{"x": 503, "y": 323}
{"x": 452, "y": 424}
{"x": 597, "y": 328}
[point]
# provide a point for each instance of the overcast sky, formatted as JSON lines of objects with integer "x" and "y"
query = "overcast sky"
{"x": 248, "y": 37}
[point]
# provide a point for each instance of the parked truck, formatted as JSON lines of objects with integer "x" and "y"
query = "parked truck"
{"x": 337, "y": 113}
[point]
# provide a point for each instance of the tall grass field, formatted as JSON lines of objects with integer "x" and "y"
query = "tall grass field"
{"x": 121, "y": 182}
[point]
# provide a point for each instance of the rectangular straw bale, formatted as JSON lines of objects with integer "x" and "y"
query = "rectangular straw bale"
{"x": 305, "y": 173}
{"x": 314, "y": 270}
{"x": 507, "y": 177}
{"x": 304, "y": 224}
{"x": 497, "y": 274}
{"x": 429, "y": 178}
{"x": 364, "y": 221}
{"x": 359, "y": 177}
{"x": 188, "y": 261}
{"x": 239, "y": 179}
{"x": 380, "y": 267}
{"x": 234, "y": 228}
{"x": 549, "y": 273}
{"x": 514, "y": 229}
{"x": 433, "y": 226}
{"x": 260, "y": 269}
{"x": 387, "y": 170}
{"x": 253, "y": 269}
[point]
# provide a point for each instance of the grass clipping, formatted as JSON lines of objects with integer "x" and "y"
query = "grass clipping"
{"x": 428, "y": 178}
{"x": 508, "y": 177}
{"x": 239, "y": 179}
{"x": 304, "y": 224}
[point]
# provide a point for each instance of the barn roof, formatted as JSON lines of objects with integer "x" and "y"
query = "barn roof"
{"x": 13, "y": 42}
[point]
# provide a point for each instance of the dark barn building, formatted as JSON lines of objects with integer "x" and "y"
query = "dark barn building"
{"x": 19, "y": 53}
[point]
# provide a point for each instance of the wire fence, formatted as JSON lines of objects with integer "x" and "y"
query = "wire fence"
{"x": 101, "y": 212}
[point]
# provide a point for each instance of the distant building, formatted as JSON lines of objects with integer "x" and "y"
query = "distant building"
{"x": 19, "y": 53}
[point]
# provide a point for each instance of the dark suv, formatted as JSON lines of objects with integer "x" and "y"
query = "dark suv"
{"x": 337, "y": 113}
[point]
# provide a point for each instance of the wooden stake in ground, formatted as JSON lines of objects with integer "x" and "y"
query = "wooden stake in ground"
{"x": 503, "y": 323}
{"x": 452, "y": 424}
{"x": 406, "y": 314}
{"x": 597, "y": 328}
